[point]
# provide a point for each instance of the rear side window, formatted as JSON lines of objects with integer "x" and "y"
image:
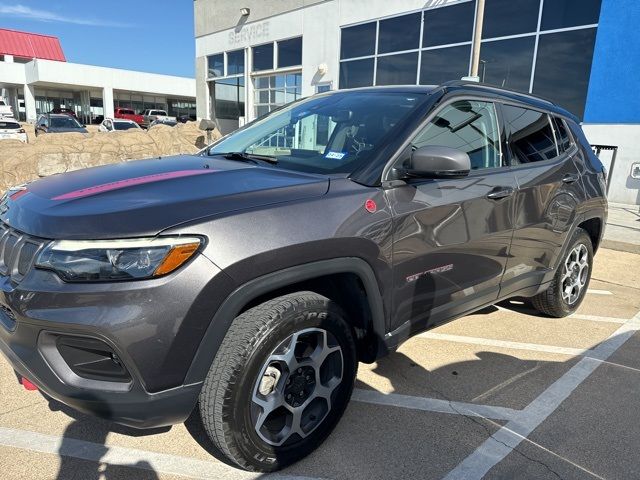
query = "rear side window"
{"x": 565, "y": 142}
{"x": 9, "y": 126}
{"x": 469, "y": 126}
{"x": 531, "y": 136}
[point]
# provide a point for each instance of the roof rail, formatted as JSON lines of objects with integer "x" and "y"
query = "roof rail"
{"x": 487, "y": 86}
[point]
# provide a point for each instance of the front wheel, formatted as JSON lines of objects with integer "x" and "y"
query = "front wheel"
{"x": 569, "y": 285}
{"x": 280, "y": 381}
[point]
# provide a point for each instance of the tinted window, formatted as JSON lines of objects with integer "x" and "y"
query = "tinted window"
{"x": 562, "y": 135}
{"x": 570, "y": 13}
{"x": 448, "y": 25}
{"x": 507, "y": 63}
{"x": 215, "y": 65}
{"x": 64, "y": 122}
{"x": 510, "y": 17}
{"x": 444, "y": 64}
{"x": 263, "y": 57}
{"x": 397, "y": 69}
{"x": 357, "y": 73}
{"x": 468, "y": 126}
{"x": 358, "y": 41}
{"x": 9, "y": 125}
{"x": 531, "y": 138}
{"x": 290, "y": 52}
{"x": 399, "y": 33}
{"x": 235, "y": 62}
{"x": 563, "y": 68}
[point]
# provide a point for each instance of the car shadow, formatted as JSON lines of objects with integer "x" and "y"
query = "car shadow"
{"x": 83, "y": 448}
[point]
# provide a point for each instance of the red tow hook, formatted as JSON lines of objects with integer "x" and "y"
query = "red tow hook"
{"x": 26, "y": 383}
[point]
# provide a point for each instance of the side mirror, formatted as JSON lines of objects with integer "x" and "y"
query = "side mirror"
{"x": 434, "y": 161}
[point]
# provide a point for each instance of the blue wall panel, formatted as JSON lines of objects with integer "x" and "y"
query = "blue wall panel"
{"x": 614, "y": 89}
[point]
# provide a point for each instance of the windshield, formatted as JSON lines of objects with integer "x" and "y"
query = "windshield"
{"x": 324, "y": 134}
{"x": 124, "y": 125}
{"x": 64, "y": 122}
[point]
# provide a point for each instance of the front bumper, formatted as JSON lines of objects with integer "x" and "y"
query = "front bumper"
{"x": 154, "y": 326}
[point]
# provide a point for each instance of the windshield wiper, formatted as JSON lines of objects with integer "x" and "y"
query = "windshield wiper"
{"x": 249, "y": 157}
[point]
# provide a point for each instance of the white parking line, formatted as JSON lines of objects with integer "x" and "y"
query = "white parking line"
{"x": 505, "y": 440}
{"x": 599, "y": 292}
{"x": 433, "y": 405}
{"x": 129, "y": 457}
{"x": 597, "y": 318}
{"x": 487, "y": 342}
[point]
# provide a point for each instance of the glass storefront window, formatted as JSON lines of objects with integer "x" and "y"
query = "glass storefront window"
{"x": 507, "y": 63}
{"x": 356, "y": 73}
{"x": 290, "y": 52}
{"x": 228, "y": 98}
{"x": 273, "y": 91}
{"x": 570, "y": 13}
{"x": 563, "y": 67}
{"x": 263, "y": 57}
{"x": 510, "y": 17}
{"x": 400, "y": 33}
{"x": 448, "y": 25}
{"x": 215, "y": 65}
{"x": 444, "y": 64}
{"x": 397, "y": 69}
{"x": 235, "y": 62}
{"x": 358, "y": 41}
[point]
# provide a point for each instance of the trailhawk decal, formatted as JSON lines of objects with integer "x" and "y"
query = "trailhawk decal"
{"x": 107, "y": 187}
{"x": 442, "y": 269}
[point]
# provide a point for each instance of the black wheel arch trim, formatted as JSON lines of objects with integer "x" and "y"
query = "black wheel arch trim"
{"x": 243, "y": 295}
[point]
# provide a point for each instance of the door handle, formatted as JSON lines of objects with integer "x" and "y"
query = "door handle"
{"x": 570, "y": 178}
{"x": 500, "y": 192}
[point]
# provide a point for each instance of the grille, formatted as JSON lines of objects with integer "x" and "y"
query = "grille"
{"x": 17, "y": 252}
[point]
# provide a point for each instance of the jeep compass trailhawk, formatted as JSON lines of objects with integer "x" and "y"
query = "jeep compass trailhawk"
{"x": 248, "y": 281}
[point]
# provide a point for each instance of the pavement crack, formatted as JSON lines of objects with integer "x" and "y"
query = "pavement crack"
{"x": 491, "y": 434}
{"x": 615, "y": 283}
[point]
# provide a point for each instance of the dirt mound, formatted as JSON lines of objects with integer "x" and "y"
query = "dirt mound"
{"x": 57, "y": 153}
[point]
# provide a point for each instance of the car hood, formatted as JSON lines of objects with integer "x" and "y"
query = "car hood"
{"x": 142, "y": 198}
{"x": 66, "y": 130}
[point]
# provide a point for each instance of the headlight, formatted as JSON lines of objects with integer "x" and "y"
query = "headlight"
{"x": 109, "y": 260}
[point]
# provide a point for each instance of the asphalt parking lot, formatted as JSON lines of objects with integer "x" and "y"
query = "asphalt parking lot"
{"x": 503, "y": 393}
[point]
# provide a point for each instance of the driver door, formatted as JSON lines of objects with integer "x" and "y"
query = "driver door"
{"x": 452, "y": 236}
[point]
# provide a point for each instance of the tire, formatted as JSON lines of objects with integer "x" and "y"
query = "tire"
{"x": 251, "y": 374}
{"x": 556, "y": 301}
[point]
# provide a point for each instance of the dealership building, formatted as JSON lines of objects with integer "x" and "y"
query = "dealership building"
{"x": 35, "y": 78}
{"x": 255, "y": 55}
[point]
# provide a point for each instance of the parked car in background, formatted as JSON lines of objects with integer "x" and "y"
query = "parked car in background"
{"x": 128, "y": 114}
{"x": 64, "y": 111}
{"x": 150, "y": 116}
{"x": 12, "y": 130}
{"x": 6, "y": 110}
{"x": 186, "y": 118}
{"x": 58, "y": 123}
{"x": 170, "y": 122}
{"x": 117, "y": 124}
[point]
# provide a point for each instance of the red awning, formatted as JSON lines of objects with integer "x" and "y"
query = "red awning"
{"x": 30, "y": 45}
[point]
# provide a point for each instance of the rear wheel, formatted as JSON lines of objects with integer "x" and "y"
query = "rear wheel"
{"x": 570, "y": 283}
{"x": 280, "y": 381}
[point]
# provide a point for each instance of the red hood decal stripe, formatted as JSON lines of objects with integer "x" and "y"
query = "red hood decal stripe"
{"x": 107, "y": 187}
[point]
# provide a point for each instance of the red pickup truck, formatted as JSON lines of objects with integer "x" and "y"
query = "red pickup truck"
{"x": 128, "y": 114}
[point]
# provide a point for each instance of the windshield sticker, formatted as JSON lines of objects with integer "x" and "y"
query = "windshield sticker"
{"x": 336, "y": 155}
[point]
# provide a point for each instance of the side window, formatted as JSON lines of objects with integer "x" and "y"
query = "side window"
{"x": 469, "y": 126}
{"x": 565, "y": 142}
{"x": 531, "y": 136}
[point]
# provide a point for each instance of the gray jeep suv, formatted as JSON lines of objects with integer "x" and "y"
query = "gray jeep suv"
{"x": 247, "y": 282}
